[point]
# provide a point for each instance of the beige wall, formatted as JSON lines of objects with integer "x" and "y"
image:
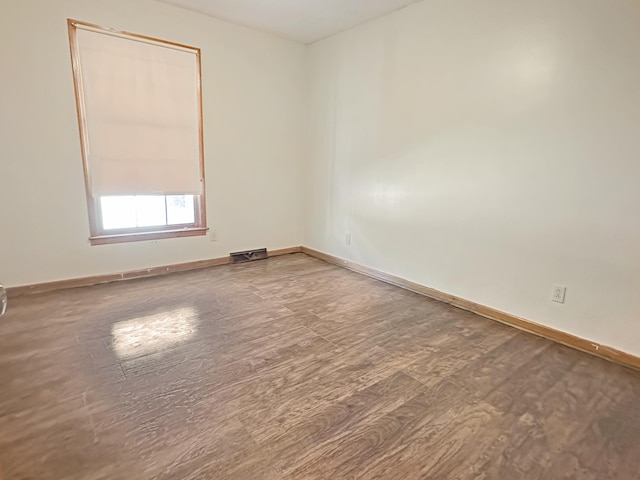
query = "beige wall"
{"x": 253, "y": 85}
{"x": 489, "y": 150}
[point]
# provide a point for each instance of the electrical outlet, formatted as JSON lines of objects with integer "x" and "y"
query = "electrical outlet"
{"x": 558, "y": 293}
{"x": 213, "y": 235}
{"x": 347, "y": 239}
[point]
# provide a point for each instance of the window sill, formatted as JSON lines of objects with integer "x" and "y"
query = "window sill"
{"x": 141, "y": 236}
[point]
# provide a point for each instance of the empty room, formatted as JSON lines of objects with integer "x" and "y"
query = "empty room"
{"x": 319, "y": 239}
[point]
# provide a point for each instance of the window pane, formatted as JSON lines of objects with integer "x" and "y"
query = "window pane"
{"x": 150, "y": 210}
{"x": 118, "y": 212}
{"x": 144, "y": 211}
{"x": 180, "y": 209}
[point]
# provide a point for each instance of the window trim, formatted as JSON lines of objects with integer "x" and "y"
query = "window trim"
{"x": 98, "y": 235}
{"x": 148, "y": 235}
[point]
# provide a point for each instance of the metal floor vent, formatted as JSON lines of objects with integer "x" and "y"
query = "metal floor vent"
{"x": 249, "y": 255}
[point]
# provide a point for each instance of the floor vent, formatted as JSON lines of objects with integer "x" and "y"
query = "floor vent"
{"x": 249, "y": 255}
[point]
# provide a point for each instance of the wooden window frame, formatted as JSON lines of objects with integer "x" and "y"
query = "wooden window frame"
{"x": 98, "y": 235}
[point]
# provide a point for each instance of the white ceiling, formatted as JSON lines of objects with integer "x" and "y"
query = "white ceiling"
{"x": 304, "y": 21}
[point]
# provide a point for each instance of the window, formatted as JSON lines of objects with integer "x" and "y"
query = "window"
{"x": 140, "y": 116}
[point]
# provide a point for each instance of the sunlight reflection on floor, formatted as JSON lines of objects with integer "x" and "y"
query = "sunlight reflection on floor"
{"x": 154, "y": 333}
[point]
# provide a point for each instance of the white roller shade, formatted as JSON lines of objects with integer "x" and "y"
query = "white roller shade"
{"x": 142, "y": 115}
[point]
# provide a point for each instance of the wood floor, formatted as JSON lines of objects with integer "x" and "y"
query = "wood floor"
{"x": 290, "y": 368}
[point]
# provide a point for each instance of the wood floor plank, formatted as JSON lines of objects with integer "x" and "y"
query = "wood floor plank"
{"x": 313, "y": 435}
{"x": 382, "y": 444}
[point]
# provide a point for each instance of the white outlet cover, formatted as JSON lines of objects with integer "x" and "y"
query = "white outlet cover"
{"x": 347, "y": 239}
{"x": 558, "y": 293}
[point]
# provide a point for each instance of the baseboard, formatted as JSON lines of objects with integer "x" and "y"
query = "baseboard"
{"x": 284, "y": 251}
{"x": 116, "y": 277}
{"x": 602, "y": 351}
